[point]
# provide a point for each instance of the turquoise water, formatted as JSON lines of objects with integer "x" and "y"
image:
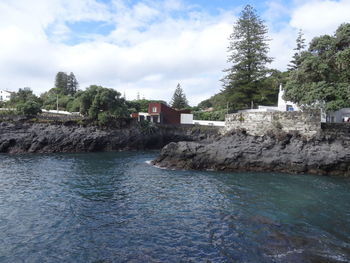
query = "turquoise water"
{"x": 114, "y": 207}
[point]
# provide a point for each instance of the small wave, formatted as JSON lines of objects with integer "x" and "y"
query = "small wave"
{"x": 294, "y": 251}
{"x": 149, "y": 162}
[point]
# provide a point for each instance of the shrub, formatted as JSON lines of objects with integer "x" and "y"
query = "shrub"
{"x": 29, "y": 108}
{"x": 103, "y": 118}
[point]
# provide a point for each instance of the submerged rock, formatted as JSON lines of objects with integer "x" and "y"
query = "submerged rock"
{"x": 279, "y": 152}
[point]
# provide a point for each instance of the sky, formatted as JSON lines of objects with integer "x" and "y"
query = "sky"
{"x": 146, "y": 46}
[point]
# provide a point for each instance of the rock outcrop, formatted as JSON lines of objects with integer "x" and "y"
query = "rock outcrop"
{"x": 25, "y": 137}
{"x": 280, "y": 152}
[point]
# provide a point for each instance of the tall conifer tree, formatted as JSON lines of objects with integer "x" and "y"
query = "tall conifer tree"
{"x": 72, "y": 84}
{"x": 248, "y": 53}
{"x": 295, "y": 62}
{"x": 179, "y": 100}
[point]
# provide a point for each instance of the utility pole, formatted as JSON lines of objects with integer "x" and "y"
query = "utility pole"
{"x": 57, "y": 102}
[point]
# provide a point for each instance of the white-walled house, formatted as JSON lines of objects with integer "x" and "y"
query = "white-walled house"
{"x": 282, "y": 105}
{"x": 5, "y": 95}
{"x": 342, "y": 115}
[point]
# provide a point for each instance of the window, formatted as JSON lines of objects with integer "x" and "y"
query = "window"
{"x": 290, "y": 108}
{"x": 154, "y": 109}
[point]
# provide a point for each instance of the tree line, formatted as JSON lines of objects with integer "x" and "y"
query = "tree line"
{"x": 95, "y": 102}
{"x": 318, "y": 76}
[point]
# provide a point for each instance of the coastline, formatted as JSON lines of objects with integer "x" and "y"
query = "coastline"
{"x": 22, "y": 137}
{"x": 190, "y": 147}
{"x": 273, "y": 152}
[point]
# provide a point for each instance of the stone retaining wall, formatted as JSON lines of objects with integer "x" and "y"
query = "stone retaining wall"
{"x": 307, "y": 123}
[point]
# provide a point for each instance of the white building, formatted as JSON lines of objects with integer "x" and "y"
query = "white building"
{"x": 342, "y": 115}
{"x": 5, "y": 95}
{"x": 282, "y": 105}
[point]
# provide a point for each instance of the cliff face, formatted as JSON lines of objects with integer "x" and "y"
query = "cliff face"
{"x": 24, "y": 137}
{"x": 281, "y": 152}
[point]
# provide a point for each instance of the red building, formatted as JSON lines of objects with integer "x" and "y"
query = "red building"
{"x": 161, "y": 113}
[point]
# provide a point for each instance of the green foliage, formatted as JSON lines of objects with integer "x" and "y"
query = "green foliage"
{"x": 266, "y": 93}
{"x": 300, "y": 41}
{"x": 141, "y": 105}
{"x": 66, "y": 84}
{"x": 179, "y": 100}
{"x": 218, "y": 115}
{"x": 248, "y": 53}
{"x": 97, "y": 99}
{"x": 103, "y": 118}
{"x": 147, "y": 127}
{"x": 51, "y": 97}
{"x": 205, "y": 104}
{"x": 29, "y": 108}
{"x": 322, "y": 79}
{"x": 22, "y": 96}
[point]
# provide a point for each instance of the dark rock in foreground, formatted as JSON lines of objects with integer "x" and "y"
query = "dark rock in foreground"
{"x": 25, "y": 137}
{"x": 281, "y": 152}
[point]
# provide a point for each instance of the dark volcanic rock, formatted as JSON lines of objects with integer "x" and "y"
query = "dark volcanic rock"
{"x": 274, "y": 152}
{"x": 26, "y": 137}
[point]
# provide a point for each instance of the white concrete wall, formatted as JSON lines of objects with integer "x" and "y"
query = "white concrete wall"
{"x": 209, "y": 123}
{"x": 58, "y": 112}
{"x": 186, "y": 118}
{"x": 282, "y": 104}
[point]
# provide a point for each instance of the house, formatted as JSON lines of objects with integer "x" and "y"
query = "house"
{"x": 5, "y": 95}
{"x": 342, "y": 115}
{"x": 282, "y": 105}
{"x": 161, "y": 113}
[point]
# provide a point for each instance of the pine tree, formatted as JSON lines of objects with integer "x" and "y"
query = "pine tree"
{"x": 66, "y": 84}
{"x": 295, "y": 62}
{"x": 61, "y": 81}
{"x": 248, "y": 52}
{"x": 179, "y": 100}
{"x": 72, "y": 84}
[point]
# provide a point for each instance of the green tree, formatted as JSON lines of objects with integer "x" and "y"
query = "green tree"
{"x": 23, "y": 95}
{"x": 72, "y": 84}
{"x": 65, "y": 84}
{"x": 205, "y": 104}
{"x": 141, "y": 105}
{"x": 322, "y": 79}
{"x": 179, "y": 100}
{"x": 96, "y": 100}
{"x": 29, "y": 108}
{"x": 300, "y": 41}
{"x": 248, "y": 53}
{"x": 61, "y": 83}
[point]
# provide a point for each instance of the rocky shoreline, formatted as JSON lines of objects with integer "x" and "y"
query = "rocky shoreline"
{"x": 189, "y": 148}
{"x": 276, "y": 151}
{"x": 25, "y": 137}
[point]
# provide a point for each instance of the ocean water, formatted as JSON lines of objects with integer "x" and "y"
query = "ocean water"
{"x": 115, "y": 207}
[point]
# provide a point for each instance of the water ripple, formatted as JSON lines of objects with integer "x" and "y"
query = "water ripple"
{"x": 115, "y": 207}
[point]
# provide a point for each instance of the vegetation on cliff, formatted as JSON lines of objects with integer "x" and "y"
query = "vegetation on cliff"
{"x": 321, "y": 76}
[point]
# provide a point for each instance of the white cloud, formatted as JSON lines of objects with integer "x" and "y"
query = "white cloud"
{"x": 149, "y": 51}
{"x": 320, "y": 17}
{"x": 315, "y": 18}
